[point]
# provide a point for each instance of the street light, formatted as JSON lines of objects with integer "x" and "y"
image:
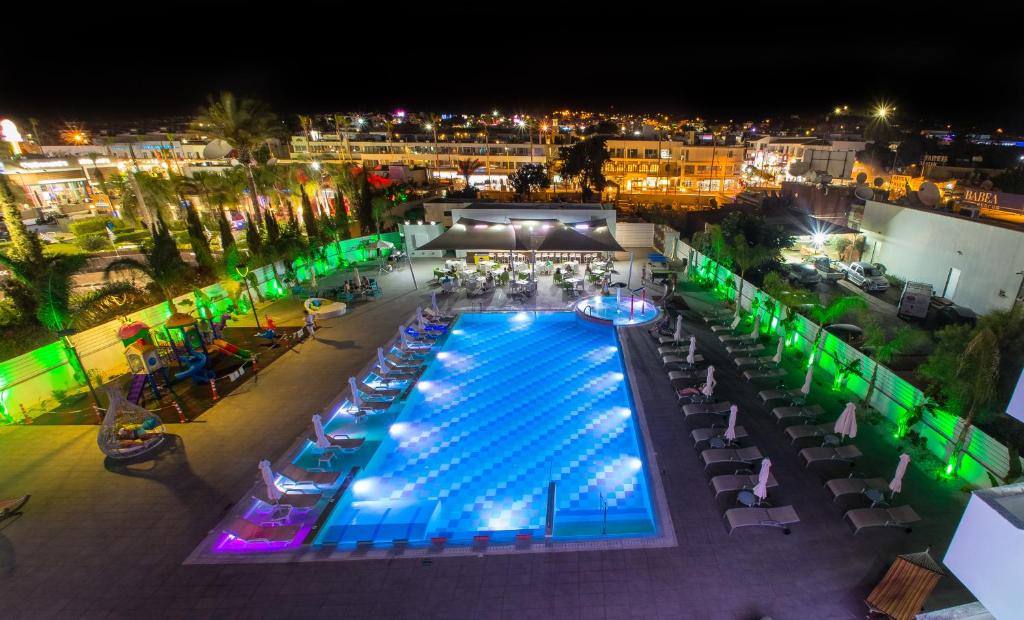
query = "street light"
{"x": 883, "y": 111}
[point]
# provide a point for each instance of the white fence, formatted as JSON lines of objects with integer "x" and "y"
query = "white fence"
{"x": 892, "y": 396}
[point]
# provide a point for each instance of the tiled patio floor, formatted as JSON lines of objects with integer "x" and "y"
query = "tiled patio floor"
{"x": 106, "y": 541}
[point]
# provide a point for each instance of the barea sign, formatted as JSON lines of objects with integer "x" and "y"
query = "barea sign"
{"x": 995, "y": 200}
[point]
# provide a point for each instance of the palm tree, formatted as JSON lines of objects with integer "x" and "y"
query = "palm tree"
{"x": 245, "y": 124}
{"x": 978, "y": 376}
{"x": 747, "y": 256}
{"x": 884, "y": 348}
{"x": 825, "y": 315}
{"x": 711, "y": 243}
{"x": 161, "y": 263}
{"x": 466, "y": 168}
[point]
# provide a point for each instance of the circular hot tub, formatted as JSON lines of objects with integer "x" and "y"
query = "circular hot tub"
{"x": 625, "y": 311}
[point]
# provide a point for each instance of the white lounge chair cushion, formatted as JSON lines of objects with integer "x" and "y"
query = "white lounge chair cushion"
{"x": 780, "y": 517}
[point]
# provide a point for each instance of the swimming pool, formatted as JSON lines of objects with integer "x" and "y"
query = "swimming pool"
{"x": 522, "y": 423}
{"x": 622, "y": 311}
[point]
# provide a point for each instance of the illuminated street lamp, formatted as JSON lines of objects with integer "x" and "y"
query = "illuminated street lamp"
{"x": 882, "y": 111}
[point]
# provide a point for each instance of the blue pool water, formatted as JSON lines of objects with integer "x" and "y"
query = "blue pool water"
{"x": 627, "y": 311}
{"x": 511, "y": 402}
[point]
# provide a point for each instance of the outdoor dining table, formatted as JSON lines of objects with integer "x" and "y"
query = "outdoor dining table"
{"x": 455, "y": 264}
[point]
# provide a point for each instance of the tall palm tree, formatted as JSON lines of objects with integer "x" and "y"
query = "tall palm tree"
{"x": 884, "y": 348}
{"x": 245, "y": 124}
{"x": 747, "y": 256}
{"x": 825, "y": 315}
{"x": 978, "y": 378}
{"x": 161, "y": 263}
{"x": 466, "y": 168}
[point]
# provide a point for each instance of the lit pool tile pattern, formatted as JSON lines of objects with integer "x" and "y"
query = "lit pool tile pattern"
{"x": 622, "y": 311}
{"x": 511, "y": 402}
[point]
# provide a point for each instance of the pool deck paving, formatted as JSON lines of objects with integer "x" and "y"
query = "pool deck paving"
{"x": 102, "y": 540}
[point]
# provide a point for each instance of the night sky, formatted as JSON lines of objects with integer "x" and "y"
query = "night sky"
{"x": 965, "y": 67}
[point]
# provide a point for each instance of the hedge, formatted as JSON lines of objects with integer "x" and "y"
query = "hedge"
{"x": 94, "y": 225}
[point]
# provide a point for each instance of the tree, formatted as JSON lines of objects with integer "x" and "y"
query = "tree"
{"x": 227, "y": 238}
{"x": 746, "y": 256}
{"x": 245, "y": 124}
{"x": 977, "y": 376}
{"x": 882, "y": 347}
{"x": 253, "y": 238}
{"x": 528, "y": 178}
{"x": 584, "y": 162}
{"x": 309, "y": 218}
{"x": 825, "y": 315}
{"x": 200, "y": 245}
{"x": 466, "y": 168}
{"x": 757, "y": 232}
{"x": 161, "y": 263}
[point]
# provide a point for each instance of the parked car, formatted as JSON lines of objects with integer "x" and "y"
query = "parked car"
{"x": 943, "y": 312}
{"x": 802, "y": 273}
{"x": 826, "y": 269}
{"x": 864, "y": 275}
{"x": 848, "y": 333}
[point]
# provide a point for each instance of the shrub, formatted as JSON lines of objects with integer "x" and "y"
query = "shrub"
{"x": 94, "y": 225}
{"x": 132, "y": 236}
{"x": 92, "y": 243}
{"x": 895, "y": 281}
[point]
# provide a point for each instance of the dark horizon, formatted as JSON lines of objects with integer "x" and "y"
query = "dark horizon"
{"x": 745, "y": 68}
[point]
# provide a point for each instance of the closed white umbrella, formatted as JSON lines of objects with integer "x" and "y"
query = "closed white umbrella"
{"x": 357, "y": 278}
{"x": 709, "y": 385}
{"x": 730, "y": 431}
{"x": 618, "y": 296}
{"x": 777, "y": 358}
{"x": 896, "y": 485}
{"x": 419, "y": 319}
{"x": 690, "y": 355}
{"x": 678, "y": 335}
{"x": 433, "y": 303}
{"x": 805, "y": 389}
{"x": 273, "y": 493}
{"x": 381, "y": 362}
{"x": 756, "y": 332}
{"x": 356, "y": 399}
{"x": 321, "y": 437}
{"x": 846, "y": 425}
{"x": 761, "y": 488}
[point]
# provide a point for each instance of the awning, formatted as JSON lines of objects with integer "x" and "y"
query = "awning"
{"x": 469, "y": 234}
{"x": 906, "y": 585}
{"x": 526, "y": 235}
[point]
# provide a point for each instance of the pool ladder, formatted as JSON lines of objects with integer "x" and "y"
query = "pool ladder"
{"x": 588, "y": 307}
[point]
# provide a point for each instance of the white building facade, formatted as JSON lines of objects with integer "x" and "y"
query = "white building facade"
{"x": 975, "y": 263}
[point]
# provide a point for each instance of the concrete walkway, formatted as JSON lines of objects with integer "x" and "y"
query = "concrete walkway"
{"x": 102, "y": 540}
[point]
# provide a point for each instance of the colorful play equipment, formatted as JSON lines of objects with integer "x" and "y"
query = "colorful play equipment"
{"x": 187, "y": 345}
{"x": 226, "y": 347}
{"x": 144, "y": 361}
{"x": 128, "y": 430}
{"x": 270, "y": 331}
{"x": 324, "y": 308}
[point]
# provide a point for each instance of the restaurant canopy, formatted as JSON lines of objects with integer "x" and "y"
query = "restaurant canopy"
{"x": 525, "y": 235}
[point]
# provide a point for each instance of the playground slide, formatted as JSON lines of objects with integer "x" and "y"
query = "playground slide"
{"x": 137, "y": 388}
{"x": 231, "y": 349}
{"x": 196, "y": 368}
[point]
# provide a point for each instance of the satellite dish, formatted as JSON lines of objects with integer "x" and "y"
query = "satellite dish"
{"x": 929, "y": 194}
{"x": 862, "y": 178}
{"x": 799, "y": 168}
{"x": 986, "y": 185}
{"x": 864, "y": 192}
{"x": 216, "y": 149}
{"x": 878, "y": 182}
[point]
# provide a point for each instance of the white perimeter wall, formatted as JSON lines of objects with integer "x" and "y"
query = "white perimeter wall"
{"x": 922, "y": 246}
{"x": 986, "y": 553}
